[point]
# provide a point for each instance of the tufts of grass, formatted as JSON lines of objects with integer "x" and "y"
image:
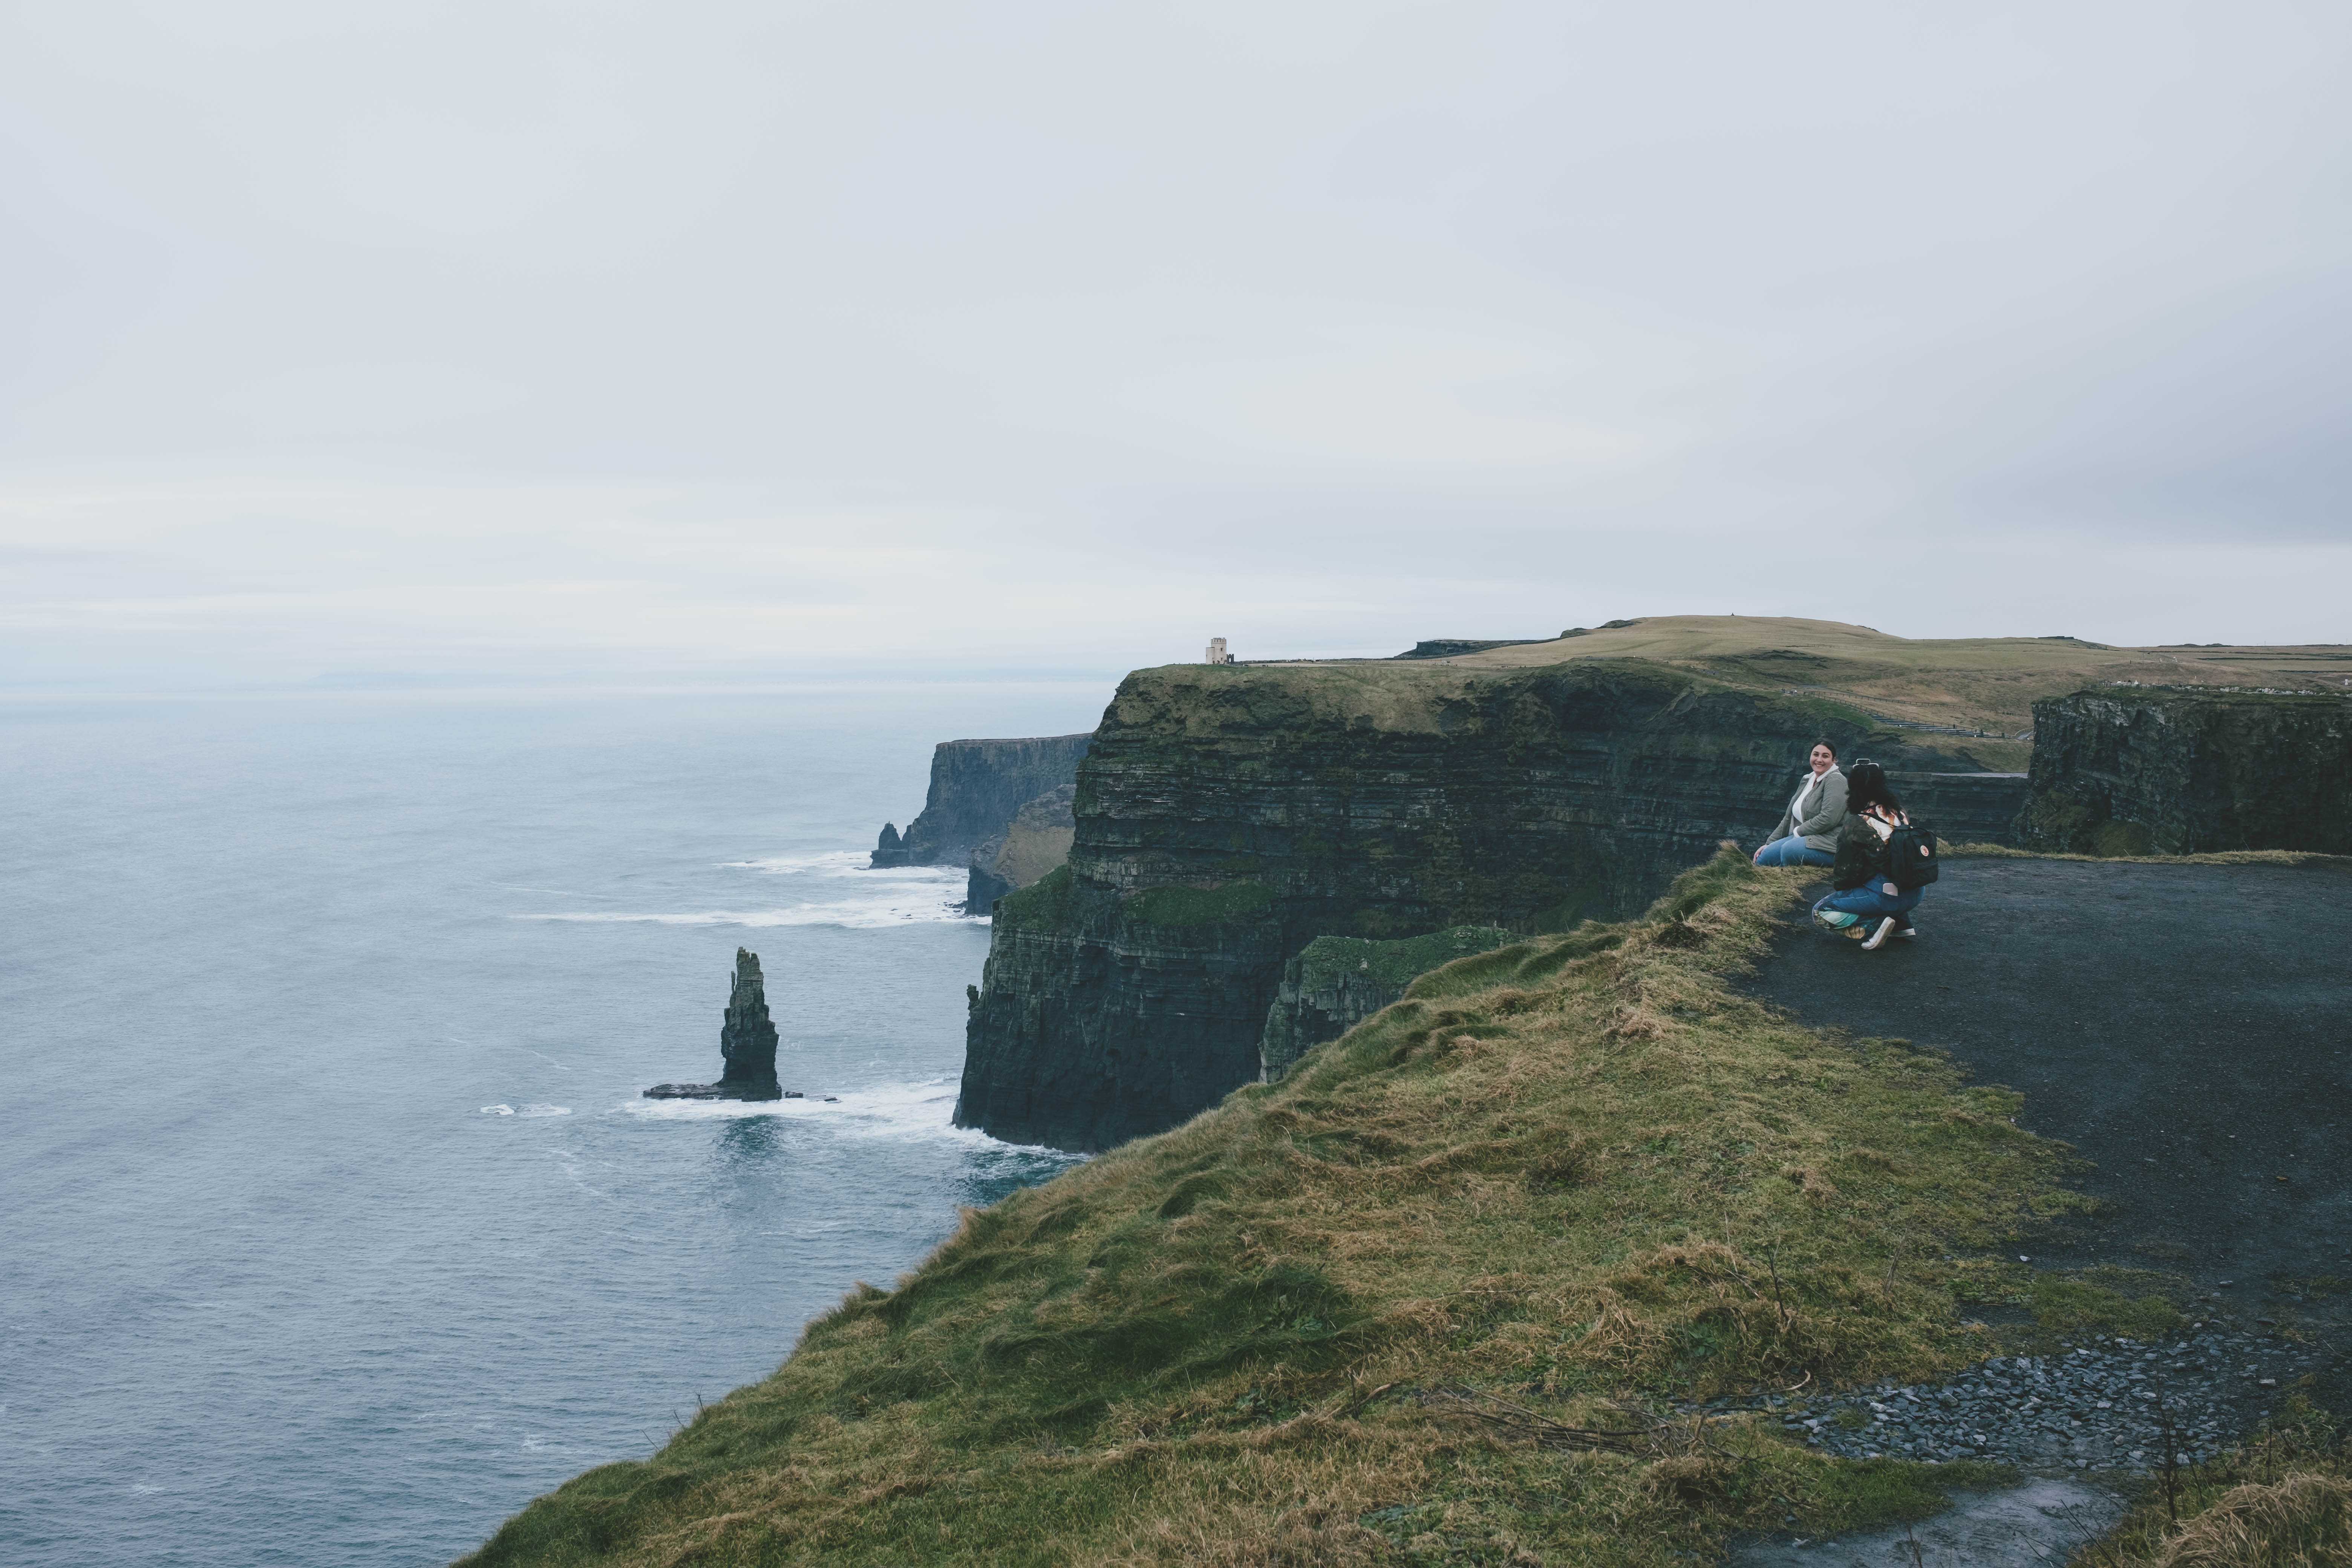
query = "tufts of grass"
{"x": 2282, "y": 1501}
{"x": 1576, "y": 1178}
{"x": 1393, "y": 965}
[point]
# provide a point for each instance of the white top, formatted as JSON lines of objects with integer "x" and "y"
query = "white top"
{"x": 1797, "y": 805}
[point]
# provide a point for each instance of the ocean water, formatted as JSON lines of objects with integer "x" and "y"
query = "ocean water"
{"x": 332, "y": 1228}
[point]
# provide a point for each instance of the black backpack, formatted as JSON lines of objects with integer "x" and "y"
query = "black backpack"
{"x": 1911, "y": 857}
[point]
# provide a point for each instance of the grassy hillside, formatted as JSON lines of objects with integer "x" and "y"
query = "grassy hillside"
{"x": 1428, "y": 1299}
{"x": 1984, "y": 684}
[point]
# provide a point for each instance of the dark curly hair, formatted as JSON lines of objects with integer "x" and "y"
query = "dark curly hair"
{"x": 1866, "y": 786}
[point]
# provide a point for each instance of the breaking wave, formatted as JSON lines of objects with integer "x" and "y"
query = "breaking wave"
{"x": 924, "y": 1110}
{"x": 847, "y": 894}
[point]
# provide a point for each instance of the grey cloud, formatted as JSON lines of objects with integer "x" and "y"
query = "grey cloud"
{"x": 1497, "y": 313}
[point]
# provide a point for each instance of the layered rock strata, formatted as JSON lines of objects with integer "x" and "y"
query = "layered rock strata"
{"x": 747, "y": 1044}
{"x": 1032, "y": 844}
{"x": 2185, "y": 770}
{"x": 1964, "y": 808}
{"x": 1335, "y": 983}
{"x": 1227, "y": 816}
{"x": 977, "y": 787}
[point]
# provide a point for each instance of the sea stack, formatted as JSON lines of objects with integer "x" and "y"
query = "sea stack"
{"x": 747, "y": 1042}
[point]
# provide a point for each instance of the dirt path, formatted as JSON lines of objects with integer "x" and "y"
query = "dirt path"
{"x": 2187, "y": 1028}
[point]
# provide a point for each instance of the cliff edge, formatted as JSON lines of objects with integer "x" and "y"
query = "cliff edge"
{"x": 1226, "y": 816}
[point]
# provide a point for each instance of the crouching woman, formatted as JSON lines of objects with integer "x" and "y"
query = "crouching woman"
{"x": 1867, "y": 905}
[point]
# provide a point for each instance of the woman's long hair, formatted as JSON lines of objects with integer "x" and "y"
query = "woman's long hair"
{"x": 1866, "y": 786}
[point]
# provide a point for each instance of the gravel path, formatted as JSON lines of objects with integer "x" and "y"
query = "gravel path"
{"x": 2102, "y": 1406}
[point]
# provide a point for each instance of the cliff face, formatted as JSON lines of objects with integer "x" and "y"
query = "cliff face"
{"x": 2138, "y": 769}
{"x": 1964, "y": 808}
{"x": 1033, "y": 844}
{"x": 1228, "y": 815}
{"x": 977, "y": 787}
{"x": 1336, "y": 983}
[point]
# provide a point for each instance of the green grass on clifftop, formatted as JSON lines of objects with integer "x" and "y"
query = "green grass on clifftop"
{"x": 1358, "y": 1317}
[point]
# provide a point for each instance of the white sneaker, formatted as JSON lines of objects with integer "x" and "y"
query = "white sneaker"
{"x": 1872, "y": 943}
{"x": 1908, "y": 932}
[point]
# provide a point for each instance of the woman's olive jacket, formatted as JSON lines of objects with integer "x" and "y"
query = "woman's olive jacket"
{"x": 1825, "y": 808}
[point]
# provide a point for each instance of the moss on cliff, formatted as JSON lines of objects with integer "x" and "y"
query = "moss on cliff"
{"x": 1047, "y": 901}
{"x": 1191, "y": 907}
{"x": 1574, "y": 1176}
{"x": 1337, "y": 982}
{"x": 1395, "y": 964}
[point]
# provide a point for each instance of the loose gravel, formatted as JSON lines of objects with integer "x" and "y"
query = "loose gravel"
{"x": 2105, "y": 1404}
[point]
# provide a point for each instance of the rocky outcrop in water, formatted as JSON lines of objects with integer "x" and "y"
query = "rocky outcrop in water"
{"x": 1228, "y": 815}
{"x": 2185, "y": 770}
{"x": 977, "y": 787}
{"x": 747, "y": 1044}
{"x": 1032, "y": 844}
{"x": 1337, "y": 982}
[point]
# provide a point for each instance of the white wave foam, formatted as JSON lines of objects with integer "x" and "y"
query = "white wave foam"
{"x": 853, "y": 897}
{"x": 925, "y": 1110}
{"x": 831, "y": 863}
{"x": 863, "y": 914}
{"x": 498, "y": 1110}
{"x": 532, "y": 1109}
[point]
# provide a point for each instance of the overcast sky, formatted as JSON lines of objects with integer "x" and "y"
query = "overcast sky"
{"x": 599, "y": 337}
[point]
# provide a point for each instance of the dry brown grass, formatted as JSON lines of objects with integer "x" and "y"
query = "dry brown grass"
{"x": 1569, "y": 1181}
{"x": 2303, "y": 1520}
{"x": 2283, "y": 1500}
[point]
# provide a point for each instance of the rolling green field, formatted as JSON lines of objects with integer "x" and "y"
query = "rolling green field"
{"x": 1986, "y": 685}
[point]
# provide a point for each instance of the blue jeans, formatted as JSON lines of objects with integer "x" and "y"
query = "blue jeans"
{"x": 1793, "y": 851}
{"x": 1872, "y": 901}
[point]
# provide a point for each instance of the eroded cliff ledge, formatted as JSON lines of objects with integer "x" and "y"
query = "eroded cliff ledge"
{"x": 977, "y": 788}
{"x": 1226, "y": 816}
{"x": 2123, "y": 770}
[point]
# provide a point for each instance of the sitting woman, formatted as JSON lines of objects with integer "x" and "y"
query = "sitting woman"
{"x": 1807, "y": 834}
{"x": 1867, "y": 906}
